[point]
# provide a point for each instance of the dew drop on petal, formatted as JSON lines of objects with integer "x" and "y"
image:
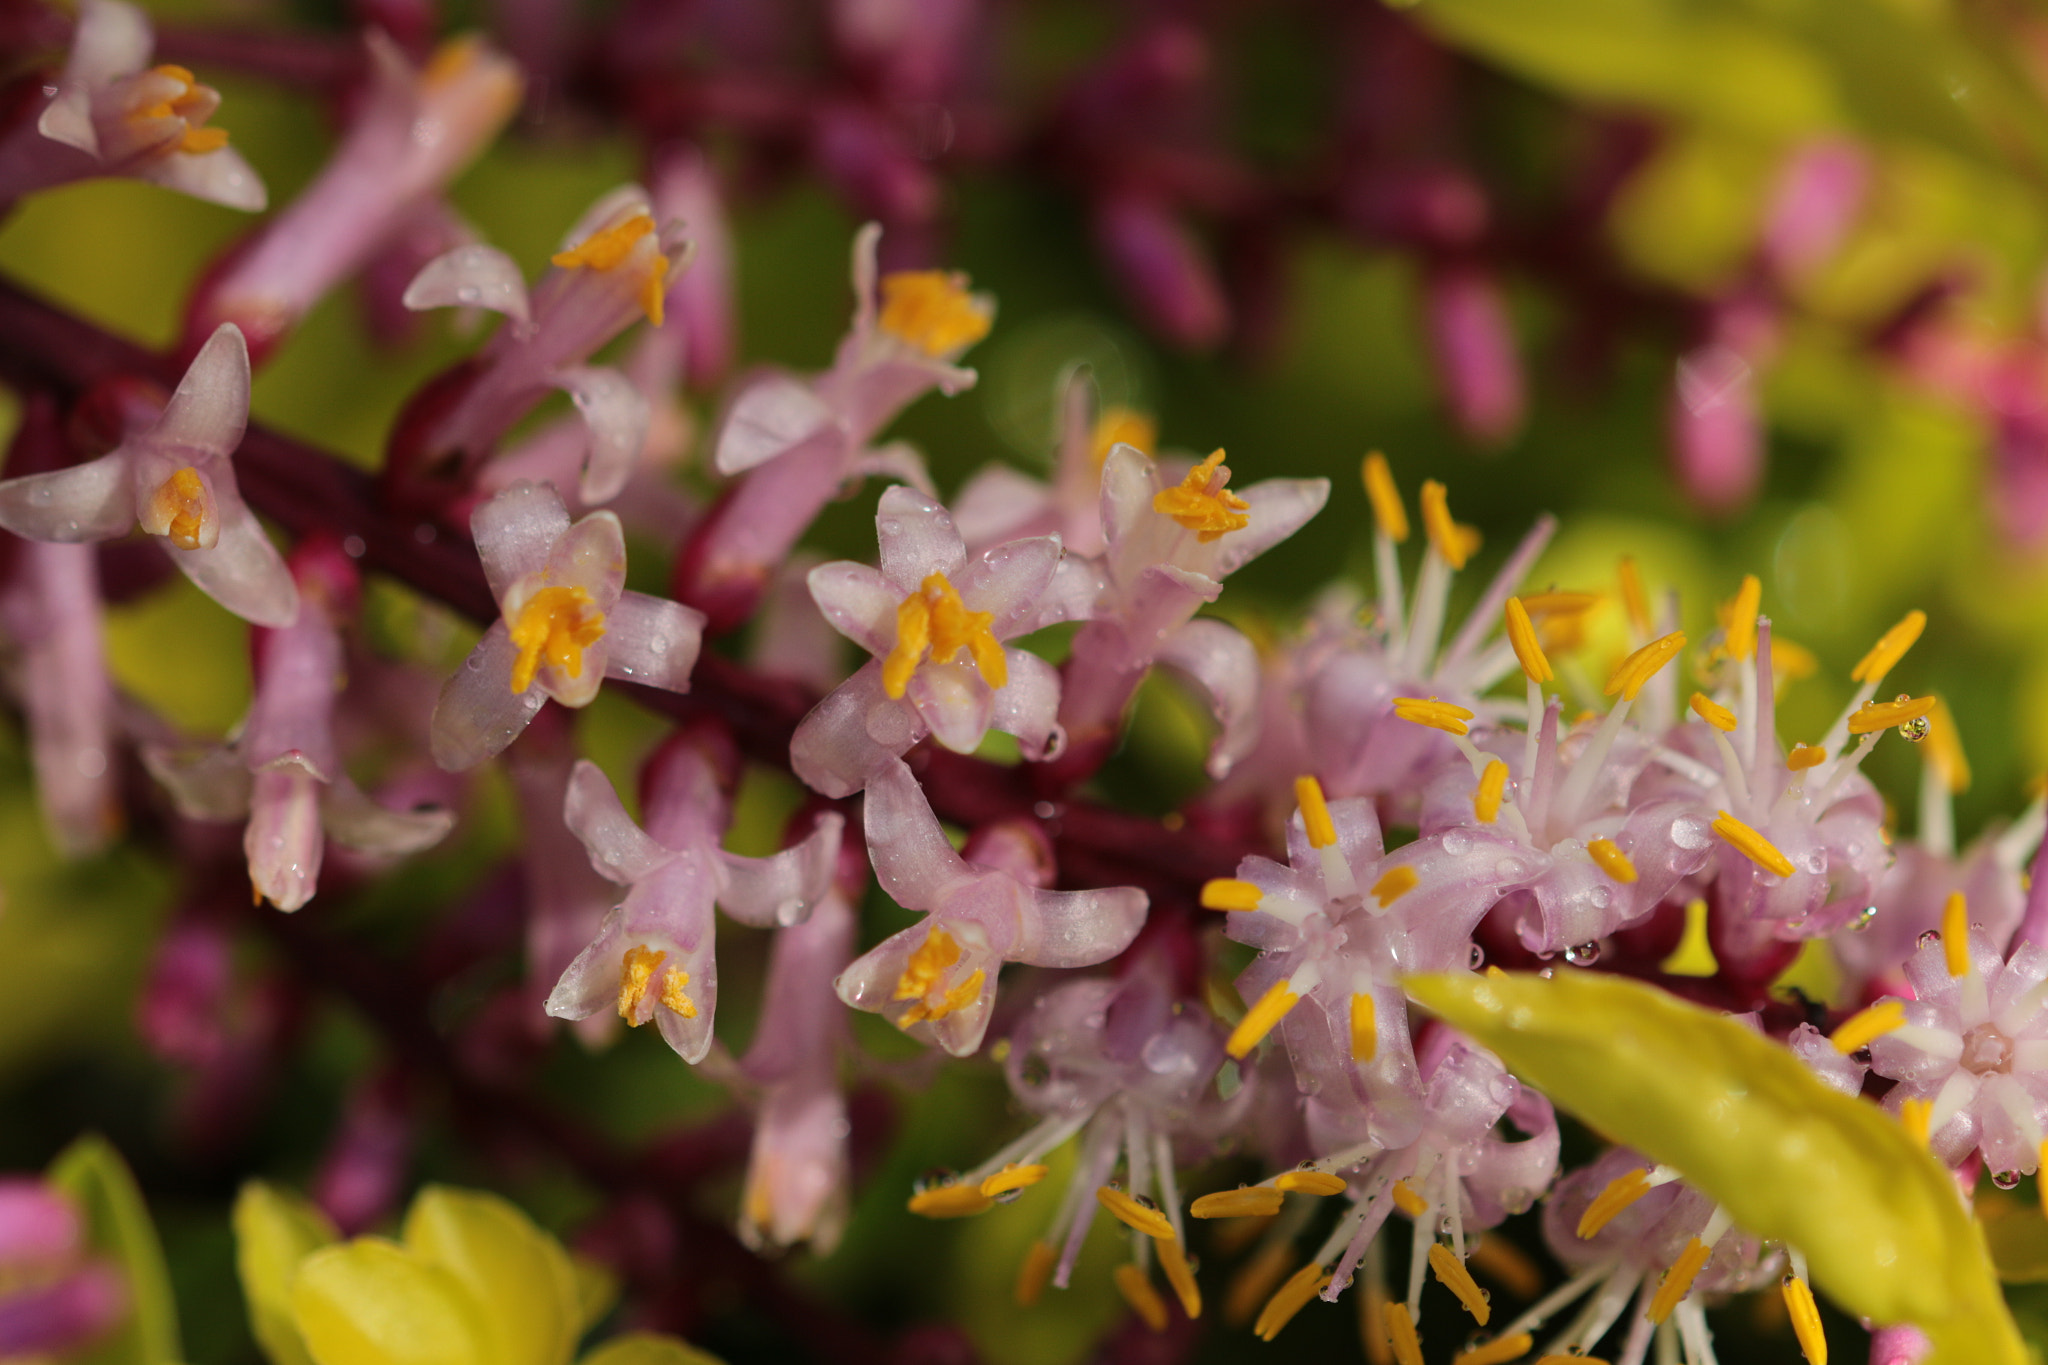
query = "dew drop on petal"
{"x": 1582, "y": 954}
{"x": 1864, "y": 918}
{"x": 2005, "y": 1180}
{"x": 1457, "y": 843}
{"x": 1690, "y": 832}
{"x": 1476, "y": 958}
{"x": 1928, "y": 938}
{"x": 469, "y": 293}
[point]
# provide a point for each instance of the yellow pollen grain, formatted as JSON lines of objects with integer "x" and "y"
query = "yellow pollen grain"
{"x": 1144, "y": 1300}
{"x": 1388, "y": 513}
{"x": 1678, "y": 1280}
{"x": 1174, "y": 1261}
{"x": 1437, "y": 715}
{"x": 1289, "y": 1299}
{"x": 1955, "y": 933}
{"x": 1315, "y": 813}
{"x": 1319, "y": 1183}
{"x": 1805, "y": 1314}
{"x": 1866, "y": 1026}
{"x": 1014, "y": 1177}
{"x": 1452, "y": 542}
{"x": 1253, "y": 1201}
{"x": 1914, "y": 1116}
{"x": 180, "y": 506}
{"x": 1804, "y": 756}
{"x": 1944, "y": 749}
{"x": 674, "y": 996}
{"x": 927, "y": 966}
{"x": 654, "y": 289}
{"x": 1712, "y": 712}
{"x": 1203, "y": 502}
{"x": 1633, "y": 599}
{"x": 1228, "y": 893}
{"x": 1393, "y": 884}
{"x": 1134, "y": 1215}
{"x": 1365, "y": 1029}
{"x": 1408, "y": 1201}
{"x": 1620, "y": 1192}
{"x": 1738, "y": 619}
{"x": 1607, "y": 855}
{"x": 1632, "y": 673}
{"x": 1522, "y": 636}
{"x": 1036, "y": 1271}
{"x": 1890, "y": 648}
{"x": 636, "y": 973}
{"x": 932, "y": 310}
{"x": 958, "y": 998}
{"x": 1122, "y": 426}
{"x": 1883, "y": 715}
{"x": 607, "y": 247}
{"x": 1261, "y": 1019}
{"x": 934, "y": 622}
{"x": 950, "y": 1201}
{"x": 1254, "y": 1282}
{"x": 556, "y": 624}
{"x": 1751, "y": 845}
{"x": 1449, "y": 1269}
{"x": 199, "y": 141}
{"x": 1498, "y": 1351}
{"x": 1486, "y": 797}
{"x": 1401, "y": 1332}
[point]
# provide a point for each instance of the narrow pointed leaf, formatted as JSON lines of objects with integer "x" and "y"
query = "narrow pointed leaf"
{"x": 119, "y": 1227}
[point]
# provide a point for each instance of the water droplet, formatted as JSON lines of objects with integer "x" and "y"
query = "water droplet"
{"x": 1117, "y": 1185}
{"x": 2005, "y": 1180}
{"x": 40, "y": 496}
{"x": 1690, "y": 832}
{"x": 1304, "y": 1165}
{"x": 1927, "y": 938}
{"x": 468, "y": 293}
{"x": 1582, "y": 954}
{"x": 1863, "y": 919}
{"x": 933, "y": 1179}
{"x": 1600, "y": 896}
{"x": 1476, "y": 958}
{"x": 1457, "y": 843}
{"x": 1010, "y": 1196}
{"x": 1547, "y": 973}
{"x": 1787, "y": 1280}
{"x": 1145, "y": 1202}
{"x": 1914, "y": 730}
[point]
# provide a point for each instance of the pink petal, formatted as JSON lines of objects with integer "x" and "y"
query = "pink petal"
{"x": 780, "y": 890}
{"x": 1028, "y": 706}
{"x": 619, "y": 849}
{"x": 1279, "y": 508}
{"x": 355, "y": 821}
{"x": 652, "y": 640}
{"x": 998, "y": 504}
{"x": 284, "y": 840}
{"x": 898, "y": 460}
{"x": 954, "y": 701}
{"x": 917, "y": 538}
{"x": 478, "y": 713}
{"x": 222, "y": 176}
{"x": 859, "y": 603}
{"x": 912, "y": 859}
{"x": 1009, "y": 580}
{"x": 616, "y": 416}
{"x": 591, "y": 555}
{"x": 243, "y": 571}
{"x": 773, "y": 414}
{"x": 592, "y": 981}
{"x": 206, "y": 415}
{"x": 112, "y": 40}
{"x": 856, "y": 731}
{"x": 1079, "y": 928}
{"x": 514, "y": 532}
{"x": 473, "y": 276}
{"x": 205, "y": 784}
{"x": 91, "y": 501}
{"x": 1219, "y": 660}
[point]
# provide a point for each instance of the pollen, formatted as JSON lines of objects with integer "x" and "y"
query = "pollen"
{"x": 1738, "y": 619}
{"x": 1712, "y": 712}
{"x": 606, "y": 248}
{"x": 1393, "y": 884}
{"x": 199, "y": 141}
{"x": 1486, "y": 797}
{"x": 1944, "y": 749}
{"x": 1388, "y": 513}
{"x": 1290, "y": 1299}
{"x": 1632, "y": 673}
{"x": 1144, "y": 1300}
{"x": 1174, "y": 1261}
{"x": 1261, "y": 1020}
{"x": 1634, "y": 600}
{"x": 1889, "y": 649}
{"x": 1522, "y": 636}
{"x": 1611, "y": 860}
{"x": 181, "y": 510}
{"x": 959, "y": 998}
{"x": 1036, "y": 1271}
{"x": 1884, "y": 715}
{"x": 1253, "y": 1201}
{"x": 1315, "y": 813}
{"x": 1365, "y": 1030}
{"x": 1678, "y": 1280}
{"x": 636, "y": 974}
{"x": 933, "y": 311}
{"x": 1122, "y": 426}
{"x": 1751, "y": 845}
{"x": 1401, "y": 1332}
{"x": 1228, "y": 893}
{"x": 1437, "y": 715}
{"x": 1453, "y": 543}
{"x": 674, "y": 996}
{"x": 557, "y": 624}
{"x": 1805, "y": 1315}
{"x": 1621, "y": 1192}
{"x": 1408, "y": 1201}
{"x": 1137, "y": 1216}
{"x": 950, "y": 1201}
{"x": 927, "y": 966}
{"x": 1501, "y": 1350}
{"x": 1319, "y": 1183}
{"x": 1864, "y": 1027}
{"x": 1955, "y": 933}
{"x": 1459, "y": 1281}
{"x": 1804, "y": 756}
{"x": 1914, "y": 1116}
{"x": 934, "y": 623}
{"x": 1013, "y": 1177}
{"x": 1203, "y": 502}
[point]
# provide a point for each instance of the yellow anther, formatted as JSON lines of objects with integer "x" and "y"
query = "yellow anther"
{"x": 1319, "y": 1183}
{"x": 1678, "y": 1280}
{"x": 927, "y": 966}
{"x": 1261, "y": 1019}
{"x": 1122, "y": 426}
{"x": 1712, "y": 712}
{"x": 1453, "y": 543}
{"x": 1738, "y": 619}
{"x": 1437, "y": 715}
{"x": 452, "y": 59}
{"x": 1228, "y": 893}
{"x": 1608, "y": 856}
{"x": 1255, "y": 1281}
{"x": 1751, "y": 845}
{"x": 1791, "y": 662}
{"x": 1387, "y": 511}
{"x": 1393, "y": 884}
{"x": 1633, "y": 599}
{"x": 1013, "y": 1177}
{"x": 1506, "y": 1264}
{"x": 1174, "y": 1261}
{"x": 556, "y": 624}
{"x": 1883, "y": 715}
{"x": 674, "y": 996}
{"x": 1203, "y": 502}
{"x": 1805, "y": 1316}
{"x": 1290, "y": 1299}
{"x": 1621, "y": 1192}
{"x": 1365, "y": 1027}
{"x": 2041, "y": 1186}
{"x": 1408, "y": 1201}
{"x": 1315, "y": 812}
{"x": 654, "y": 289}
{"x": 1136, "y": 1287}
{"x": 1638, "y": 668}
{"x": 1139, "y": 1217}
{"x": 933, "y": 311}
{"x": 636, "y": 974}
{"x": 1401, "y": 1332}
{"x": 1955, "y": 933}
{"x": 176, "y": 73}
{"x": 1866, "y": 1026}
{"x": 1253, "y": 1201}
{"x": 950, "y": 1201}
{"x": 199, "y": 141}
{"x": 1459, "y": 1281}
{"x": 1571, "y": 1358}
{"x": 607, "y": 247}
{"x": 1914, "y": 1116}
{"x": 1804, "y": 756}
{"x": 1944, "y": 749}
{"x": 1522, "y": 636}
{"x": 959, "y": 998}
{"x": 182, "y": 507}
{"x": 1555, "y": 602}
{"x": 1499, "y": 1351}
{"x": 1890, "y": 648}
{"x": 933, "y": 622}
{"x": 1486, "y": 797}
{"x": 1035, "y": 1273}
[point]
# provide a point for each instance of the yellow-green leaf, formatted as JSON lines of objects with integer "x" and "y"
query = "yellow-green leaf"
{"x": 2018, "y": 1237}
{"x": 597, "y": 1289}
{"x": 643, "y": 1348}
{"x": 372, "y": 1302}
{"x": 517, "y": 1274}
{"x": 275, "y": 1231}
{"x": 118, "y": 1226}
{"x": 1744, "y": 1120}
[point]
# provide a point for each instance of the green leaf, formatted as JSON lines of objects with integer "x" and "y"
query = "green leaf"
{"x": 642, "y": 1348}
{"x": 275, "y": 1231}
{"x": 518, "y": 1275}
{"x": 1743, "y": 1119}
{"x": 597, "y": 1289}
{"x": 118, "y": 1226}
{"x": 372, "y": 1302}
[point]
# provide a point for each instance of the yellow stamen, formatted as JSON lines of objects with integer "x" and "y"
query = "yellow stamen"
{"x": 1557, "y": 602}
{"x": 1633, "y": 599}
{"x": 1712, "y": 712}
{"x": 1253, "y": 1201}
{"x": 1459, "y": 1281}
{"x": 1738, "y": 619}
{"x": 556, "y": 624}
{"x": 1522, "y": 636}
{"x": 959, "y": 998}
{"x": 1890, "y": 648}
{"x": 1486, "y": 797}
{"x": 1638, "y": 668}
{"x": 1228, "y": 893}
{"x": 1866, "y": 1026}
{"x": 1387, "y": 512}
{"x": 1804, "y": 756}
{"x": 1791, "y": 662}
{"x": 1013, "y": 1177}
{"x": 1574, "y": 1358}
{"x": 674, "y": 996}
{"x": 1883, "y": 715}
{"x": 1036, "y": 1272}
{"x": 1499, "y": 1351}
{"x": 950, "y": 1201}
{"x": 181, "y": 507}
{"x": 1806, "y": 1320}
{"x": 176, "y": 73}
{"x": 1254, "y": 1282}
{"x": 1261, "y": 1019}
{"x": 1136, "y": 1287}
{"x": 1122, "y": 426}
{"x": 1365, "y": 1028}
{"x": 1290, "y": 1299}
{"x": 1401, "y": 1331}
{"x": 1372, "y": 1323}
{"x": 933, "y": 311}
{"x": 199, "y": 141}
{"x": 1611, "y": 860}
{"x": 1203, "y": 502}
{"x": 1751, "y": 845}
{"x": 927, "y": 966}
{"x": 1437, "y": 715}
{"x": 933, "y": 622}
{"x": 1315, "y": 812}
{"x": 2041, "y": 1185}
{"x": 1408, "y": 1201}
{"x": 1506, "y": 1264}
{"x": 1134, "y": 1215}
{"x": 654, "y": 289}
{"x": 1174, "y": 1261}
{"x": 1944, "y": 749}
{"x": 636, "y": 974}
{"x": 1955, "y": 933}
{"x": 1678, "y": 1280}
{"x": 1318, "y": 1183}
{"x": 1453, "y": 543}
{"x": 1914, "y": 1116}
{"x": 1621, "y": 1192}
{"x": 1395, "y": 883}
{"x": 605, "y": 248}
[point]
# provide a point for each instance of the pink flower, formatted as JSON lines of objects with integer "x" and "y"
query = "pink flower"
{"x": 51, "y": 609}
{"x": 55, "y": 1297}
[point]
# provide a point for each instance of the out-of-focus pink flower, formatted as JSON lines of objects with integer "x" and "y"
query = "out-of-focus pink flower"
{"x": 1472, "y": 340}
{"x": 1820, "y": 191}
{"x": 1717, "y": 442}
{"x": 999, "y": 504}
{"x": 1165, "y": 272}
{"x": 55, "y": 1298}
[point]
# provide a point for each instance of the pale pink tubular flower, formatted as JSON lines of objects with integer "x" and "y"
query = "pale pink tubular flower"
{"x": 417, "y": 130}
{"x": 108, "y": 115}
{"x": 567, "y": 624}
{"x": 175, "y": 482}
{"x": 935, "y": 622}
{"x": 1472, "y": 341}
{"x": 282, "y": 770}
{"x": 701, "y": 343}
{"x": 999, "y": 504}
{"x": 653, "y": 957}
{"x": 56, "y": 1298}
{"x": 51, "y": 609}
{"x": 937, "y": 979}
